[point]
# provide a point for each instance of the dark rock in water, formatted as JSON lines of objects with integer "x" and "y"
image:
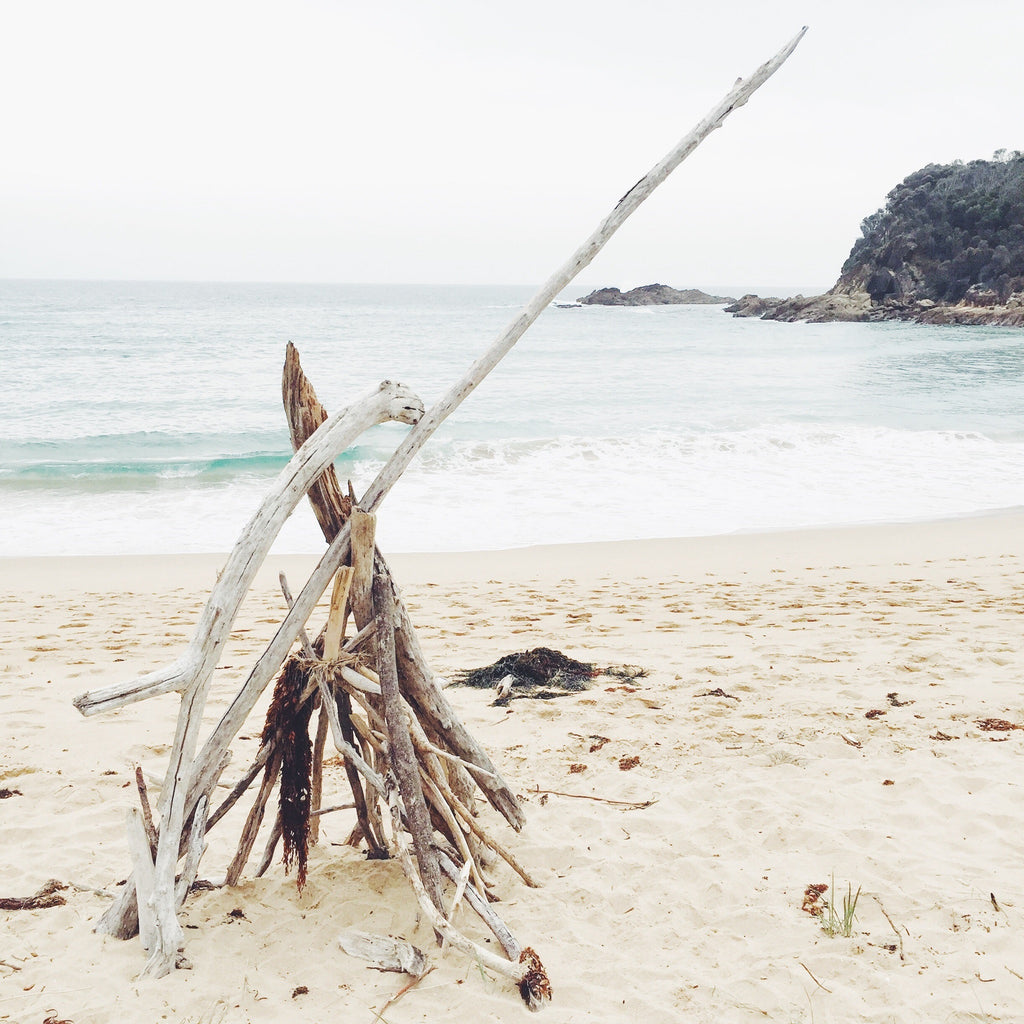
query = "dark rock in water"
{"x": 653, "y": 295}
{"x": 752, "y": 305}
{"x": 948, "y": 248}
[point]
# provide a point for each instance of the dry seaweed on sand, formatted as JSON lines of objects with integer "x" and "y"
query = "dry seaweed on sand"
{"x": 48, "y": 896}
{"x": 541, "y": 673}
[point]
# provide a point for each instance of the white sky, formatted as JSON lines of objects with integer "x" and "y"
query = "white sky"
{"x": 328, "y": 140}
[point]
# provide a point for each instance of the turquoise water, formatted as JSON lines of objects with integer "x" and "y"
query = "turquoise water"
{"x": 139, "y": 417}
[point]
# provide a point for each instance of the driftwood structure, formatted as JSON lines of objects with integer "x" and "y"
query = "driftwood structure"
{"x": 412, "y": 767}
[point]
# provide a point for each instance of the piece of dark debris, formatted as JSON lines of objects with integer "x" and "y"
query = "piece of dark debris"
{"x": 874, "y": 713}
{"x": 300, "y": 990}
{"x": 997, "y": 725}
{"x": 940, "y": 735}
{"x": 813, "y": 903}
{"x": 48, "y": 896}
{"x": 576, "y": 768}
{"x": 238, "y": 913}
{"x": 6, "y": 794}
{"x": 540, "y": 673}
{"x": 599, "y": 742}
{"x": 894, "y": 700}
{"x": 628, "y": 762}
{"x": 717, "y": 692}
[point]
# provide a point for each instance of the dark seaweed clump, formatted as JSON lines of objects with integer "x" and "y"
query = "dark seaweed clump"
{"x": 289, "y": 717}
{"x": 541, "y": 673}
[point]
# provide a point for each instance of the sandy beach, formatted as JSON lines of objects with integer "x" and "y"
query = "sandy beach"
{"x": 814, "y": 712}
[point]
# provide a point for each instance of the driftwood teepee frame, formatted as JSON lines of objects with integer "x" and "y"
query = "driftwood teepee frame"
{"x": 408, "y": 758}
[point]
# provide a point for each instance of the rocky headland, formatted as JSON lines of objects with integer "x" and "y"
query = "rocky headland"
{"x": 947, "y": 248}
{"x": 653, "y": 295}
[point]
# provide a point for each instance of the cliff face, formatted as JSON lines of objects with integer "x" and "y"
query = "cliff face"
{"x": 948, "y": 247}
{"x": 653, "y": 295}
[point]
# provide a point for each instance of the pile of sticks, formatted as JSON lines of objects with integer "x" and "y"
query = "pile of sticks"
{"x": 411, "y": 766}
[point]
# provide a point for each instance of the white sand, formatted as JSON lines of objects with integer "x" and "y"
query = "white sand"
{"x": 688, "y": 909}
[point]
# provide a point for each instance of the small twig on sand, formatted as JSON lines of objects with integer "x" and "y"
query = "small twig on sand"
{"x": 635, "y": 804}
{"x": 328, "y": 810}
{"x": 891, "y": 925}
{"x": 814, "y": 979}
{"x": 401, "y": 992}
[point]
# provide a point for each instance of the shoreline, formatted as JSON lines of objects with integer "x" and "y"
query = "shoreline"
{"x": 874, "y": 544}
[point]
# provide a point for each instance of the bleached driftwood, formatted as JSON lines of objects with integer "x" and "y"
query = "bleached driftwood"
{"x": 400, "y": 750}
{"x": 385, "y": 952}
{"x": 194, "y": 854}
{"x": 142, "y": 875}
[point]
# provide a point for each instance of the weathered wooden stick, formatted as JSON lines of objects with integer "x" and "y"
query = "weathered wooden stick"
{"x": 331, "y": 810}
{"x": 333, "y": 636}
{"x": 307, "y": 647}
{"x": 335, "y": 632}
{"x": 479, "y": 903}
{"x": 262, "y": 756}
{"x": 389, "y": 401}
{"x": 360, "y": 680}
{"x": 368, "y": 822}
{"x": 456, "y": 834}
{"x": 433, "y": 708}
{"x": 316, "y": 775}
{"x": 142, "y": 874}
{"x": 272, "y": 841}
{"x": 477, "y": 829}
{"x": 305, "y": 414}
{"x": 582, "y": 258}
{"x": 401, "y": 755}
{"x": 253, "y": 821}
{"x": 528, "y": 973}
{"x": 194, "y": 853}
{"x": 121, "y": 918}
{"x": 348, "y": 749}
{"x": 168, "y": 933}
{"x": 363, "y": 526}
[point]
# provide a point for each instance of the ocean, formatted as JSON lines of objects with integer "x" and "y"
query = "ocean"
{"x": 146, "y": 417}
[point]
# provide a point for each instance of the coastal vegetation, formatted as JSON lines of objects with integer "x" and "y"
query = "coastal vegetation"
{"x": 946, "y": 231}
{"x": 947, "y": 247}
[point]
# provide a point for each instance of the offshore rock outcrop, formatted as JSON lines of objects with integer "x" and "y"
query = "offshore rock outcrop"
{"x": 948, "y": 248}
{"x": 653, "y": 295}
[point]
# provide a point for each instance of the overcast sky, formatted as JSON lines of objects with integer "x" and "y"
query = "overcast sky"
{"x": 463, "y": 141}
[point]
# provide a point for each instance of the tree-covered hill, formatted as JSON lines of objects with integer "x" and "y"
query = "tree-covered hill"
{"x": 947, "y": 247}
{"x": 945, "y": 230}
